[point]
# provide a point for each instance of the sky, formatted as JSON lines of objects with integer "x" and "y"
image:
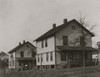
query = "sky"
{"x": 28, "y": 19}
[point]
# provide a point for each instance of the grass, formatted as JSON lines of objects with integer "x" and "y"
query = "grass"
{"x": 73, "y": 72}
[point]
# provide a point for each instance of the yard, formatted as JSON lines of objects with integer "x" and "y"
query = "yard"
{"x": 73, "y": 72}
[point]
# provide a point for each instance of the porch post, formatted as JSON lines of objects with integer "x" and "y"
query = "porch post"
{"x": 68, "y": 60}
{"x": 83, "y": 60}
{"x": 41, "y": 61}
{"x": 55, "y": 51}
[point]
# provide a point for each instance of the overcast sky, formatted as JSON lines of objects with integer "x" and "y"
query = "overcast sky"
{"x": 28, "y": 19}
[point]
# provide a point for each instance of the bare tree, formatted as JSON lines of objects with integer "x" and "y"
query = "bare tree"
{"x": 85, "y": 23}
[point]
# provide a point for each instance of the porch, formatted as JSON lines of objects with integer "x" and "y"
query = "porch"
{"x": 76, "y": 56}
{"x": 25, "y": 63}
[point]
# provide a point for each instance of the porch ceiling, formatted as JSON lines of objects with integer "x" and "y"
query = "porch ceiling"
{"x": 24, "y": 59}
{"x": 76, "y": 48}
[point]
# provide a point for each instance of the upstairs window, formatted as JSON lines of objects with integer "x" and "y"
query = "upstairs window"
{"x": 65, "y": 40}
{"x": 42, "y": 44}
{"x": 47, "y": 56}
{"x": 73, "y": 27}
{"x": 46, "y": 44}
{"x": 82, "y": 41}
{"x": 51, "y": 56}
{"x": 22, "y": 54}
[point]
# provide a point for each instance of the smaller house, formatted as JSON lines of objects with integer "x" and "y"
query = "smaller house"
{"x": 4, "y": 57}
{"x": 22, "y": 57}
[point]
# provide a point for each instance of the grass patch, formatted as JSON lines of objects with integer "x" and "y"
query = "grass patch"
{"x": 74, "y": 72}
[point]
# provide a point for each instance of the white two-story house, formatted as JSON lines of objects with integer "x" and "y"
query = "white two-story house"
{"x": 22, "y": 57}
{"x": 69, "y": 43}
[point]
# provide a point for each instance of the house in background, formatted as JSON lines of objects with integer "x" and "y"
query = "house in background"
{"x": 4, "y": 57}
{"x": 22, "y": 57}
{"x": 65, "y": 45}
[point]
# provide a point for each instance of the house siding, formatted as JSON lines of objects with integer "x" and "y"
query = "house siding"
{"x": 72, "y": 34}
{"x": 12, "y": 61}
{"x": 27, "y": 51}
{"x": 43, "y": 51}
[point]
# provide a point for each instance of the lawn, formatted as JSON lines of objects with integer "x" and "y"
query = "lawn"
{"x": 74, "y": 72}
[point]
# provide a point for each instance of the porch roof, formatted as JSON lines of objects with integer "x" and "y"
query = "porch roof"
{"x": 76, "y": 48}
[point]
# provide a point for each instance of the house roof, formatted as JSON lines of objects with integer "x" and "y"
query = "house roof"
{"x": 76, "y": 48}
{"x": 19, "y": 46}
{"x": 58, "y": 28}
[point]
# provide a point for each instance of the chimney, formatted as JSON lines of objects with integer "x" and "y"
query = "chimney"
{"x": 23, "y": 41}
{"x": 54, "y": 26}
{"x": 19, "y": 43}
{"x": 65, "y": 21}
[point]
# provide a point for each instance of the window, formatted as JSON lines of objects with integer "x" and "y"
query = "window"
{"x": 51, "y": 56}
{"x": 47, "y": 56}
{"x": 73, "y": 27}
{"x": 38, "y": 58}
{"x": 63, "y": 56}
{"x": 46, "y": 44}
{"x": 41, "y": 57}
{"x": 82, "y": 41}
{"x": 33, "y": 54}
{"x": 22, "y": 54}
{"x": 42, "y": 44}
{"x": 65, "y": 40}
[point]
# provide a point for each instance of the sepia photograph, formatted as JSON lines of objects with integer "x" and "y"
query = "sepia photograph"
{"x": 49, "y": 38}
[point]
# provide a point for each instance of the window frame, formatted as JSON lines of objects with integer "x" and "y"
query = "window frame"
{"x": 51, "y": 56}
{"x": 82, "y": 41}
{"x": 47, "y": 56}
{"x": 22, "y": 54}
{"x": 65, "y": 40}
{"x": 41, "y": 57}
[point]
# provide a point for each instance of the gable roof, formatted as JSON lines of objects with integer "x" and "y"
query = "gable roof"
{"x": 19, "y": 46}
{"x": 56, "y": 29}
